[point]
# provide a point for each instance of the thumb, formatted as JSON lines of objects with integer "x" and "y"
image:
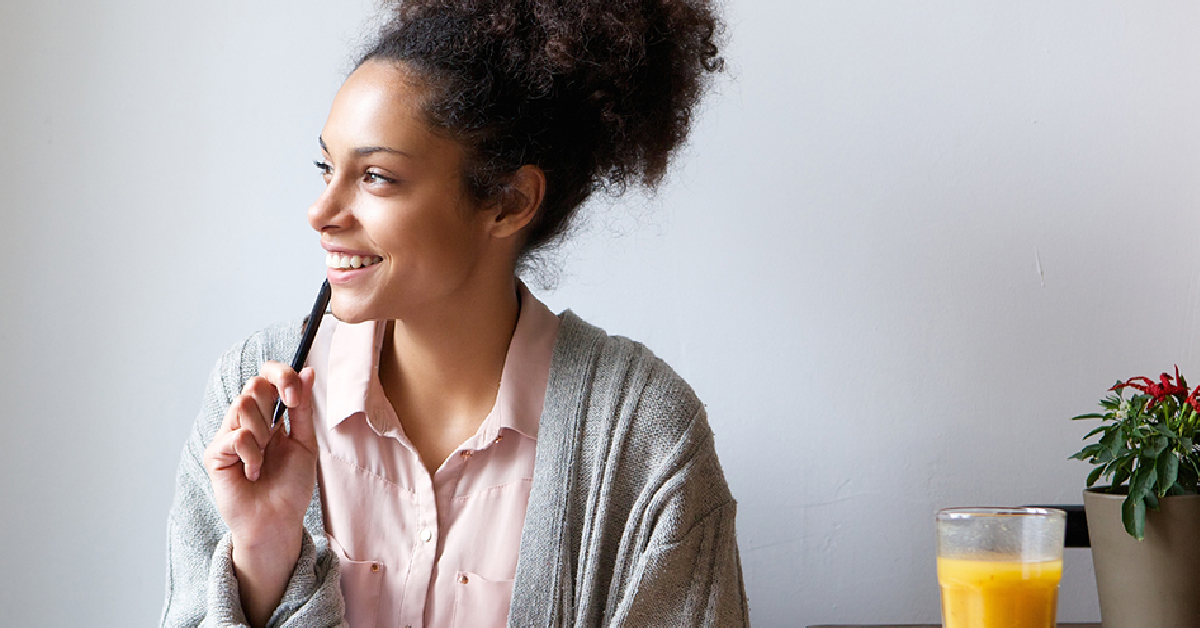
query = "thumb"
{"x": 301, "y": 416}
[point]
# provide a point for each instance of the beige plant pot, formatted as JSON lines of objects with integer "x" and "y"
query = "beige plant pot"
{"x": 1154, "y": 583}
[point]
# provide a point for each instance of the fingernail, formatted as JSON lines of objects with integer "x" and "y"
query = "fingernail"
{"x": 289, "y": 396}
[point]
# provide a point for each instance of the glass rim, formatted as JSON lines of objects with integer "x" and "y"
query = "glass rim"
{"x": 972, "y": 512}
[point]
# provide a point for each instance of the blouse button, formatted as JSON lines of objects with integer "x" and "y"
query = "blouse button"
{"x": 426, "y": 535}
{"x": 374, "y": 566}
{"x": 462, "y": 579}
{"x": 498, "y": 437}
{"x": 466, "y": 453}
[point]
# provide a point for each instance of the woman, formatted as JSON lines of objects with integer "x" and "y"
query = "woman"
{"x": 456, "y": 454}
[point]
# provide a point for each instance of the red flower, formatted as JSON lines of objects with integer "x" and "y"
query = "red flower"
{"x": 1166, "y": 386}
{"x": 1193, "y": 399}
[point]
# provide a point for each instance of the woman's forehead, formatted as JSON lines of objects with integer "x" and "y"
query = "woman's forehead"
{"x": 377, "y": 106}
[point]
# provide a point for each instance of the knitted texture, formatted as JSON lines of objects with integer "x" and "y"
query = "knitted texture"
{"x": 630, "y": 520}
{"x": 201, "y": 587}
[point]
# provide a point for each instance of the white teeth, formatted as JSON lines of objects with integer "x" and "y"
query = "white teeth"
{"x": 337, "y": 260}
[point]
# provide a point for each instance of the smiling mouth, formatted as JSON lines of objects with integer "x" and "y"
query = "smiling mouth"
{"x": 337, "y": 260}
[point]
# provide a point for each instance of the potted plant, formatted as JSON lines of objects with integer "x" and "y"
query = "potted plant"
{"x": 1145, "y": 524}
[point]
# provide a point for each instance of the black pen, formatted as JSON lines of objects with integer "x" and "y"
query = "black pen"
{"x": 310, "y": 332}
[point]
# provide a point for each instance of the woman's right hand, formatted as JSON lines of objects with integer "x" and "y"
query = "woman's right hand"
{"x": 263, "y": 481}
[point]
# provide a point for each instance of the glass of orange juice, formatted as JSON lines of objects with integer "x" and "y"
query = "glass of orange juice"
{"x": 999, "y": 567}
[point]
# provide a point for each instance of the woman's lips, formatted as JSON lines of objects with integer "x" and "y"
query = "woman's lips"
{"x": 343, "y": 261}
{"x": 343, "y": 269}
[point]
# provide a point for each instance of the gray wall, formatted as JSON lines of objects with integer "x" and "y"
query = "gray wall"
{"x": 907, "y": 242}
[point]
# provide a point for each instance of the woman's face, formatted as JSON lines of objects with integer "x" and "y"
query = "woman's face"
{"x": 394, "y": 204}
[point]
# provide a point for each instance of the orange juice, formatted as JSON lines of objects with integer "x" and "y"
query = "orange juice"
{"x": 998, "y": 594}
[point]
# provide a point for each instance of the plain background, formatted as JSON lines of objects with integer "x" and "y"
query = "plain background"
{"x": 907, "y": 241}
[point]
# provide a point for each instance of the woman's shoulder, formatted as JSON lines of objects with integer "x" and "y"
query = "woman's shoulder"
{"x": 622, "y": 383}
{"x": 274, "y": 342}
{"x": 620, "y": 420}
{"x": 239, "y": 363}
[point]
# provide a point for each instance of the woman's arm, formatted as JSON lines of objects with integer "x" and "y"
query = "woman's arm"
{"x": 630, "y": 520}
{"x": 202, "y": 582}
{"x": 693, "y": 580}
{"x": 262, "y": 481}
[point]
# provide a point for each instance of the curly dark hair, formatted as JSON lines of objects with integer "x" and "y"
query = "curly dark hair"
{"x": 597, "y": 93}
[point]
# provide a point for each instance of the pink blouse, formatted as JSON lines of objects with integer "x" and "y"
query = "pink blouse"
{"x": 417, "y": 550}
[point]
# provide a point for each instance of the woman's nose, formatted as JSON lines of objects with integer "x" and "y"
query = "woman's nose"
{"x": 329, "y": 210}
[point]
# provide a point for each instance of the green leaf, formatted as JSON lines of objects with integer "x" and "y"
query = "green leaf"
{"x": 1156, "y": 446}
{"x": 1122, "y": 473}
{"x": 1164, "y": 430}
{"x": 1168, "y": 470}
{"x": 1092, "y": 433}
{"x": 1110, "y": 446}
{"x": 1123, "y": 438}
{"x": 1188, "y": 477}
{"x": 1090, "y": 415}
{"x": 1143, "y": 479}
{"x": 1133, "y": 515}
{"x": 1094, "y": 475}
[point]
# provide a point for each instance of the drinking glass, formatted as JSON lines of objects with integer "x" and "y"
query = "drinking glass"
{"x": 1000, "y": 567}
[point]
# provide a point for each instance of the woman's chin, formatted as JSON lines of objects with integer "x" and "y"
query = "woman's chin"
{"x": 351, "y": 313}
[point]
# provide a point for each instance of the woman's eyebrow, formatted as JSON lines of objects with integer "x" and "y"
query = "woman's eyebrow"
{"x": 367, "y": 150}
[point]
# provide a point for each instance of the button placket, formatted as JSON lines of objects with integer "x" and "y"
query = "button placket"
{"x": 424, "y": 559}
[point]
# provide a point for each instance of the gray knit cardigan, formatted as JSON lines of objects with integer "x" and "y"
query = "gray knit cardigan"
{"x": 630, "y": 521}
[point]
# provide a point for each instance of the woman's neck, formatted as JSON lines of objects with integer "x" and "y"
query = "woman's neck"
{"x": 441, "y": 371}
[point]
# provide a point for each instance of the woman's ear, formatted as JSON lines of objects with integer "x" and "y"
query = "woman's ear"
{"x": 520, "y": 202}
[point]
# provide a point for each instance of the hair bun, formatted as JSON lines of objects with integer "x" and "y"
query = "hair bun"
{"x": 598, "y": 93}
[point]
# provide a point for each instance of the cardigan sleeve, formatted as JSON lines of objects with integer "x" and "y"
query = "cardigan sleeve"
{"x": 201, "y": 586}
{"x": 694, "y": 581}
{"x": 686, "y": 570}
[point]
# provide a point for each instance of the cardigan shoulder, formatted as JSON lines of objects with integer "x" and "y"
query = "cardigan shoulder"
{"x": 275, "y": 342}
{"x": 630, "y": 394}
{"x": 626, "y": 467}
{"x": 241, "y": 362}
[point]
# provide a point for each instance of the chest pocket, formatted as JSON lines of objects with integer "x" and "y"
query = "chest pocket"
{"x": 361, "y": 583}
{"x": 479, "y": 602}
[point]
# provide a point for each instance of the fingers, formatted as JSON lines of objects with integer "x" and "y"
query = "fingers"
{"x": 246, "y": 430}
{"x": 252, "y": 410}
{"x": 300, "y": 416}
{"x": 255, "y": 407}
{"x": 284, "y": 380}
{"x": 230, "y": 448}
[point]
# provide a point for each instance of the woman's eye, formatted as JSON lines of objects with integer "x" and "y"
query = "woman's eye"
{"x": 324, "y": 167}
{"x": 375, "y": 177}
